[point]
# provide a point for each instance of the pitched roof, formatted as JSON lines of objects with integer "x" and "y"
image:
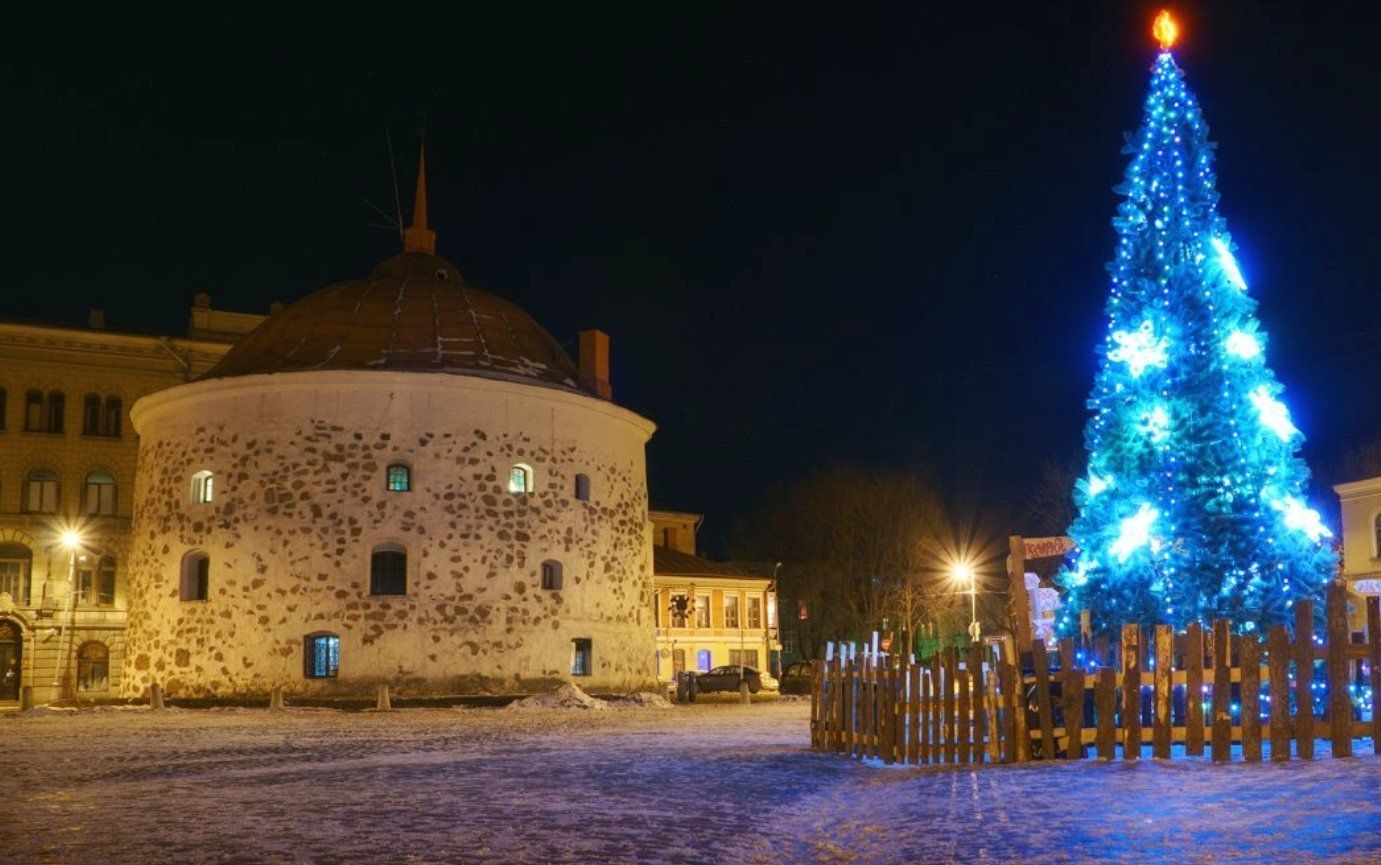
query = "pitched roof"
{"x": 667, "y": 562}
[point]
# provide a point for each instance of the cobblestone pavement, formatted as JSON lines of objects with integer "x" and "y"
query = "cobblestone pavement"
{"x": 705, "y": 784}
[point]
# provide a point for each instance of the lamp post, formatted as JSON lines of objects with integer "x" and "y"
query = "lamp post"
{"x": 71, "y": 540}
{"x": 964, "y": 572}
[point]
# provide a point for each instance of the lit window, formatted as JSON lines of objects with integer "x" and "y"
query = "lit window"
{"x": 582, "y": 488}
{"x": 16, "y": 561}
{"x": 582, "y": 661}
{"x": 388, "y": 571}
{"x": 399, "y": 478}
{"x": 754, "y": 612}
{"x": 731, "y": 611}
{"x": 702, "y": 660}
{"x": 196, "y": 577}
{"x": 100, "y": 494}
{"x": 702, "y": 611}
{"x": 93, "y": 667}
{"x": 41, "y": 492}
{"x": 320, "y": 656}
{"x": 520, "y": 479}
{"x": 551, "y": 575}
{"x": 203, "y": 487}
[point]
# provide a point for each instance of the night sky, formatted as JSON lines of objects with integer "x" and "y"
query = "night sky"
{"x": 814, "y": 233}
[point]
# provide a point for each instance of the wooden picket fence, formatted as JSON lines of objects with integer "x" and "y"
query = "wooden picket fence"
{"x": 975, "y": 706}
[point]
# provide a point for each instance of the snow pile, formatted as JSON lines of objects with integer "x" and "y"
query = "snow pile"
{"x": 565, "y": 697}
{"x": 642, "y": 700}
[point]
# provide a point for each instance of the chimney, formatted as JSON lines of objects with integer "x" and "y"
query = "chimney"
{"x": 594, "y": 363}
{"x": 96, "y": 319}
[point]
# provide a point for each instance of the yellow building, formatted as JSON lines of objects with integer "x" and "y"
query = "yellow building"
{"x": 67, "y": 460}
{"x": 1361, "y": 523}
{"x": 708, "y": 614}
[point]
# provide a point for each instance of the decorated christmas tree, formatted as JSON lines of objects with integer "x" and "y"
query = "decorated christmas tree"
{"x": 1193, "y": 505}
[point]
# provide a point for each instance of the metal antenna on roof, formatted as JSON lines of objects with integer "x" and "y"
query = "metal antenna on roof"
{"x": 397, "y": 197}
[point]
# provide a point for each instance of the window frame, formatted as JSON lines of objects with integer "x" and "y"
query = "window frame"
{"x": 33, "y": 410}
{"x": 406, "y": 471}
{"x": 731, "y": 603}
{"x": 203, "y": 487}
{"x": 582, "y": 656}
{"x": 552, "y": 576}
{"x": 377, "y": 578}
{"x": 194, "y": 583}
{"x": 55, "y": 412}
{"x": 25, "y": 571}
{"x": 113, "y": 423}
{"x": 102, "y": 490}
{"x": 89, "y": 665}
{"x": 529, "y": 479}
{"x": 46, "y": 481}
{"x": 753, "y": 612}
{"x": 310, "y": 667}
{"x": 582, "y": 487}
{"x": 91, "y": 415}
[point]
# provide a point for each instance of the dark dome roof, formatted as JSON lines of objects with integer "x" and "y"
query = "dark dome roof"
{"x": 414, "y": 314}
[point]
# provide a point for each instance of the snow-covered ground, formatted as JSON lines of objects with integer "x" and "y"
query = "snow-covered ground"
{"x": 710, "y": 783}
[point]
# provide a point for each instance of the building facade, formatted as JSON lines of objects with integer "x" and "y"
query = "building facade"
{"x": 67, "y": 471}
{"x": 398, "y": 479}
{"x": 1360, "y": 504}
{"x": 708, "y": 614}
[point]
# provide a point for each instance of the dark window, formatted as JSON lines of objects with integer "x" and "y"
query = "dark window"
{"x": 388, "y": 572}
{"x": 196, "y": 577}
{"x": 91, "y": 415}
{"x": 680, "y": 610}
{"x": 114, "y": 414}
{"x": 582, "y": 488}
{"x": 16, "y": 562}
{"x": 100, "y": 494}
{"x": 320, "y": 656}
{"x": 399, "y": 478}
{"x": 551, "y": 575}
{"x": 2, "y": 407}
{"x": 93, "y": 667}
{"x": 41, "y": 492}
{"x": 582, "y": 660}
{"x": 33, "y": 411}
{"x": 1376, "y": 554}
{"x": 57, "y": 410}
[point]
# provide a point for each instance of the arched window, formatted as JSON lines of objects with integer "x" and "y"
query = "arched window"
{"x": 96, "y": 581}
{"x": 320, "y": 656}
{"x": 100, "y": 494}
{"x": 398, "y": 478}
{"x": 582, "y": 488}
{"x": 551, "y": 574}
{"x": 196, "y": 577}
{"x": 41, "y": 492}
{"x": 520, "y": 479}
{"x": 33, "y": 411}
{"x": 202, "y": 488}
{"x": 91, "y": 415}
{"x": 114, "y": 415}
{"x": 93, "y": 667}
{"x": 57, "y": 410}
{"x": 16, "y": 562}
{"x": 388, "y": 570}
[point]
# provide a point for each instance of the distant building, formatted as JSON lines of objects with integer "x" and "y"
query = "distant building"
{"x": 67, "y": 468}
{"x": 708, "y": 614}
{"x": 1361, "y": 524}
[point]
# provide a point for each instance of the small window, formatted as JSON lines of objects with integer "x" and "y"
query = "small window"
{"x": 321, "y": 656}
{"x": 41, "y": 492}
{"x": 520, "y": 479}
{"x": 114, "y": 415}
{"x": 196, "y": 577}
{"x": 33, "y": 411}
{"x": 731, "y": 611}
{"x": 582, "y": 660}
{"x": 388, "y": 571}
{"x": 551, "y": 575}
{"x": 398, "y": 478}
{"x": 56, "y": 411}
{"x": 582, "y": 488}
{"x": 93, "y": 667}
{"x": 754, "y": 612}
{"x": 203, "y": 487}
{"x": 91, "y": 415}
{"x": 100, "y": 494}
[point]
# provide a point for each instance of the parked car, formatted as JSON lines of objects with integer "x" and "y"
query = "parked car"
{"x": 796, "y": 678}
{"x": 727, "y": 679}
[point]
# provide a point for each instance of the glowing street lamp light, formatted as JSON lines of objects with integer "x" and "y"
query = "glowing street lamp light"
{"x": 71, "y": 539}
{"x": 964, "y": 573}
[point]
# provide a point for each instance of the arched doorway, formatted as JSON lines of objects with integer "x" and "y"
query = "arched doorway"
{"x": 11, "y": 659}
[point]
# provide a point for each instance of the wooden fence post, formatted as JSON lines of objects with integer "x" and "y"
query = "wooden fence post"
{"x": 1041, "y": 661}
{"x": 1163, "y": 677}
{"x": 1194, "y": 690}
{"x": 963, "y": 732}
{"x": 1251, "y": 698}
{"x": 937, "y": 716}
{"x": 1339, "y": 700}
{"x": 951, "y": 743}
{"x": 1304, "y": 679}
{"x": 979, "y": 692}
{"x": 1006, "y": 671}
{"x": 1072, "y": 700}
{"x": 913, "y": 721}
{"x": 926, "y": 701}
{"x": 1105, "y": 707}
{"x": 1278, "y": 645}
{"x": 1222, "y": 691}
{"x": 994, "y": 736}
{"x": 1131, "y": 692}
{"x": 1374, "y": 641}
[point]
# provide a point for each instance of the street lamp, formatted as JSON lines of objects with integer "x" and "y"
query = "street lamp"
{"x": 71, "y": 540}
{"x": 964, "y": 573}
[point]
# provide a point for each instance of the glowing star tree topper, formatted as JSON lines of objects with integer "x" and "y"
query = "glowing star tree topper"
{"x": 1194, "y": 503}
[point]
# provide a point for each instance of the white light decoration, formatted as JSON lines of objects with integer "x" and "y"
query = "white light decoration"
{"x": 1139, "y": 349}
{"x": 1156, "y": 424}
{"x": 1274, "y": 415}
{"x": 1097, "y": 484}
{"x": 1228, "y": 263}
{"x": 1135, "y": 533}
{"x": 1302, "y": 518}
{"x": 1243, "y": 344}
